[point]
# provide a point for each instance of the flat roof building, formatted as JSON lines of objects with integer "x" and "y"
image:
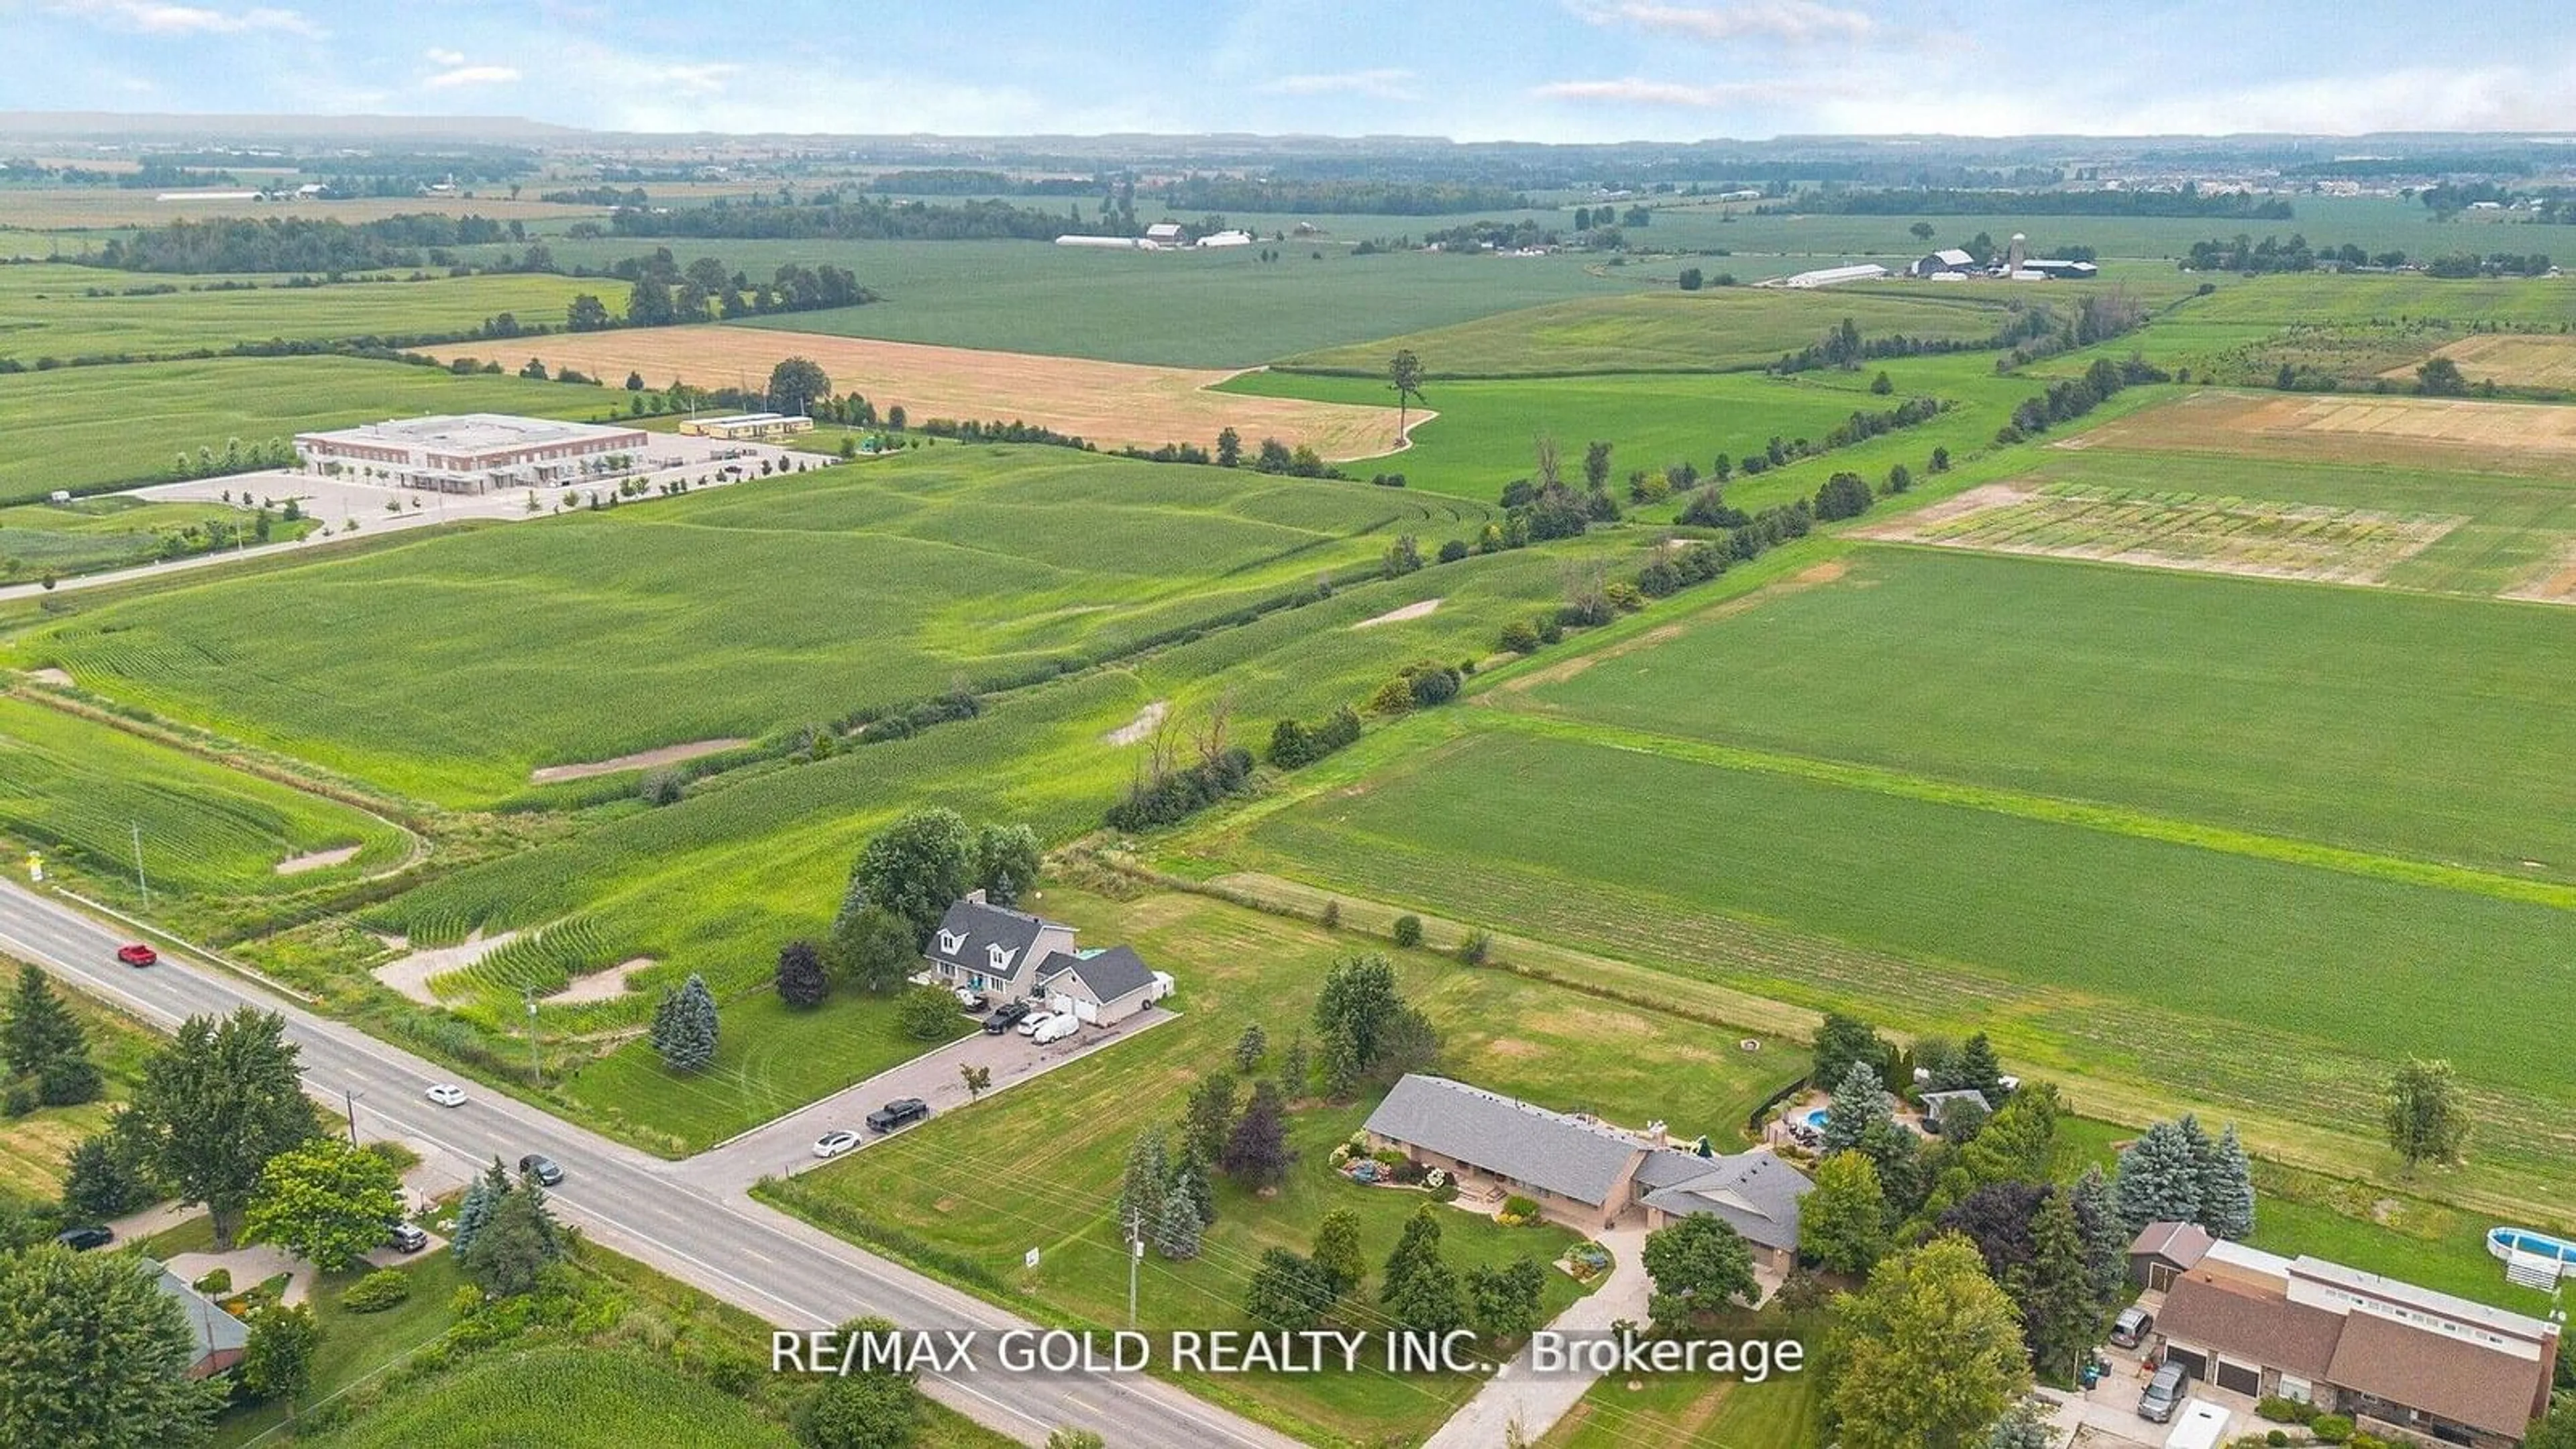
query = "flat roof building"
{"x": 747, "y": 425}
{"x": 471, "y": 452}
{"x": 1834, "y": 276}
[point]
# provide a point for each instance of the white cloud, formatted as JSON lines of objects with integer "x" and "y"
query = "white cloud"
{"x": 444, "y": 57}
{"x": 1386, "y": 85}
{"x": 1792, "y": 22}
{"x": 1632, "y": 91}
{"x": 472, "y": 75}
{"x": 153, "y": 17}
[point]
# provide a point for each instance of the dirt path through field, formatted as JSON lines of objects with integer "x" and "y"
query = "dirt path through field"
{"x": 411, "y": 974}
{"x": 1398, "y": 616}
{"x": 606, "y": 985}
{"x": 317, "y": 860}
{"x": 1113, "y": 404}
{"x": 1142, "y": 726}
{"x": 641, "y": 759}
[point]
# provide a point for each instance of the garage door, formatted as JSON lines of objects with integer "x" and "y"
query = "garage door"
{"x": 2238, "y": 1377}
{"x": 2192, "y": 1363}
{"x": 1086, "y": 1011}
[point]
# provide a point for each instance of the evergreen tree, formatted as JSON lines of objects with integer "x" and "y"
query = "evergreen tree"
{"x": 1256, "y": 1154}
{"x": 2158, "y": 1181}
{"x": 1337, "y": 1250}
{"x": 1859, "y": 1101}
{"x": 2227, "y": 1188}
{"x": 1898, "y": 1156}
{"x": 2106, "y": 1244}
{"x": 801, "y": 982}
{"x": 1430, "y": 1300}
{"x": 1208, "y": 1118}
{"x": 1147, "y": 1183}
{"x": 684, "y": 1026}
{"x": 1419, "y": 1244}
{"x": 1286, "y": 1292}
{"x": 549, "y": 1232}
{"x": 1974, "y": 1069}
{"x": 1190, "y": 1184}
{"x": 2061, "y": 1316}
{"x": 1294, "y": 1066}
{"x": 106, "y": 1176}
{"x": 40, "y": 1030}
{"x": 474, "y": 1209}
{"x": 1250, "y": 1048}
{"x": 1176, "y": 1228}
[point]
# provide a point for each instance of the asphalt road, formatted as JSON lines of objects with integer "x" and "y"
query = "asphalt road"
{"x": 760, "y": 1260}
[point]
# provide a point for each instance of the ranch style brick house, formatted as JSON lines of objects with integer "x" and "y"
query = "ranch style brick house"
{"x": 1007, "y": 955}
{"x": 2390, "y": 1354}
{"x": 1586, "y": 1175}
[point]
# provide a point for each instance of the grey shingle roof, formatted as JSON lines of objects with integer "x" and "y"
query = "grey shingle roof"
{"x": 1753, "y": 1192}
{"x": 1547, "y": 1150}
{"x": 214, "y": 1330}
{"x": 967, "y": 935}
{"x": 1110, "y": 974}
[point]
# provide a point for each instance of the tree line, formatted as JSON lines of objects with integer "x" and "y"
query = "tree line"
{"x": 1953, "y": 201}
{"x": 856, "y": 219}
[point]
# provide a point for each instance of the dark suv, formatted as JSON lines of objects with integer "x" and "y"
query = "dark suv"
{"x": 1005, "y": 1016}
{"x": 901, "y": 1112}
{"x": 82, "y": 1239}
{"x": 541, "y": 1167}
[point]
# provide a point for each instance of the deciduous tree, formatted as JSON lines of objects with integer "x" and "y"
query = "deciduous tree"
{"x": 95, "y": 1354}
{"x": 1841, "y": 1041}
{"x": 1503, "y": 1302}
{"x": 1404, "y": 374}
{"x": 277, "y": 1362}
{"x": 1006, "y": 862}
{"x": 1337, "y": 1250}
{"x": 916, "y": 868}
{"x": 1927, "y": 1355}
{"x": 216, "y": 1104}
{"x": 1287, "y": 1292}
{"x": 1700, "y": 1265}
{"x": 1256, "y": 1152}
{"x": 874, "y": 949}
{"x": 801, "y": 981}
{"x": 325, "y": 1201}
{"x": 866, "y": 1408}
{"x": 1842, "y": 1223}
{"x": 2425, "y": 1119}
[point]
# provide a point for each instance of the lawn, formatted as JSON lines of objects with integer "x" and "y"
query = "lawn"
{"x": 1721, "y": 329}
{"x": 2384, "y": 722}
{"x": 730, "y": 614}
{"x": 83, "y": 793}
{"x": 1060, "y": 1142}
{"x": 1949, "y": 912}
{"x": 769, "y": 1060}
{"x": 563, "y": 1398}
{"x": 87, "y": 429}
{"x": 46, "y": 312}
{"x": 355, "y": 1347}
{"x": 1678, "y": 1412}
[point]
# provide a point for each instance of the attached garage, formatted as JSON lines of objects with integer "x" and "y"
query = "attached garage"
{"x": 2193, "y": 1361}
{"x": 1099, "y": 988}
{"x": 2239, "y": 1378}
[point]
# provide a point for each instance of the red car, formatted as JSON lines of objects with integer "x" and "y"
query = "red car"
{"x": 137, "y": 954}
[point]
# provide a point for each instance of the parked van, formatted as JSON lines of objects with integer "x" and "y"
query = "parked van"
{"x": 2165, "y": 1394}
{"x": 1057, "y": 1028}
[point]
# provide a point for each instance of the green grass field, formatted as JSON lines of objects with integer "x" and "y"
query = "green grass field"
{"x": 1721, "y": 329}
{"x": 1060, "y": 1142}
{"x": 731, "y": 614}
{"x": 2373, "y": 720}
{"x": 1950, "y": 914}
{"x": 1679, "y": 1412}
{"x": 1180, "y": 309}
{"x": 88, "y": 428}
{"x": 565, "y": 1397}
{"x": 44, "y": 312}
{"x": 76, "y": 790}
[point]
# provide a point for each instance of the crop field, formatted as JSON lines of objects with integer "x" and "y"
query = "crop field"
{"x": 2169, "y": 529}
{"x": 599, "y": 635}
{"x": 1932, "y": 910}
{"x": 44, "y": 312}
{"x": 2373, "y": 223}
{"x": 99, "y": 208}
{"x": 1722, "y": 329}
{"x": 565, "y": 1396}
{"x": 77, "y": 790}
{"x": 2512, "y": 360}
{"x": 1061, "y": 1146}
{"x": 1111, "y": 404}
{"x": 99, "y": 533}
{"x": 2456, "y": 433}
{"x": 89, "y": 428}
{"x": 2086, "y": 682}
{"x": 2326, "y": 299}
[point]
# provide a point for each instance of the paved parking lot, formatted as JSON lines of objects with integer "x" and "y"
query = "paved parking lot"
{"x": 785, "y": 1146}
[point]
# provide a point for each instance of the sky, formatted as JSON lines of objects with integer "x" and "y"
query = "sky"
{"x": 1531, "y": 70}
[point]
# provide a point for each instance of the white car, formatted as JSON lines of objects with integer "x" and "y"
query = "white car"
{"x": 1030, "y": 1025}
{"x": 447, "y": 1094}
{"x": 1057, "y": 1028}
{"x": 833, "y": 1144}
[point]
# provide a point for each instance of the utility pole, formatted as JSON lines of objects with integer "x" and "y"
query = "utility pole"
{"x": 1135, "y": 1256}
{"x": 140, "y": 883}
{"x": 350, "y": 1096}
{"x": 536, "y": 1067}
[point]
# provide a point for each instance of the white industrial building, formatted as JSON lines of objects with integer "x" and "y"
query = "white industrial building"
{"x": 1834, "y": 276}
{"x": 472, "y": 452}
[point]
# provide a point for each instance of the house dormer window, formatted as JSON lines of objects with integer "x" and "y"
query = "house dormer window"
{"x": 1000, "y": 958}
{"x": 951, "y": 942}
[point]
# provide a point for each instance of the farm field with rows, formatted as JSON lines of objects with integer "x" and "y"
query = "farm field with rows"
{"x": 47, "y": 310}
{"x": 632, "y": 630}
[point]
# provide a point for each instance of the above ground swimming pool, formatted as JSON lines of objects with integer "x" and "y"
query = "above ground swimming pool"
{"x": 2505, "y": 1242}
